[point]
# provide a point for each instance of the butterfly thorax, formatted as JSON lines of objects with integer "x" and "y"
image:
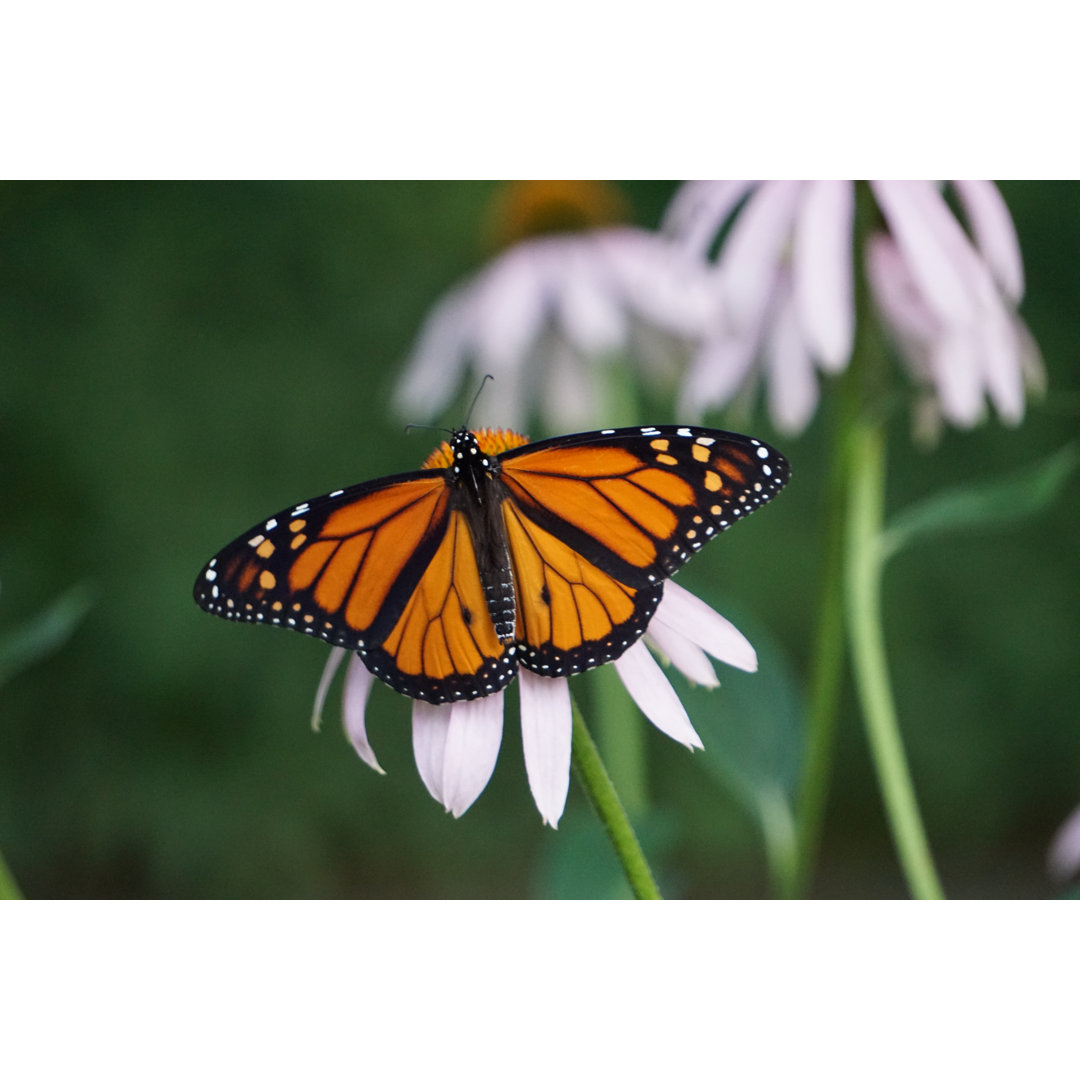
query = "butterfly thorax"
{"x": 477, "y": 491}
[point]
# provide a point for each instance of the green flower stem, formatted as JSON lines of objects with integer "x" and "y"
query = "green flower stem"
{"x": 826, "y": 679}
{"x": 862, "y": 604}
{"x": 861, "y": 387}
{"x": 620, "y": 731}
{"x": 620, "y": 728}
{"x": 8, "y": 889}
{"x": 601, "y": 792}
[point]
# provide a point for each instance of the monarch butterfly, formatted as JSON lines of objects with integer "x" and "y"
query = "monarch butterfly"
{"x": 497, "y": 552}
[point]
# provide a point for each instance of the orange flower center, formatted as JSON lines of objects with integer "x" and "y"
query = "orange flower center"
{"x": 539, "y": 207}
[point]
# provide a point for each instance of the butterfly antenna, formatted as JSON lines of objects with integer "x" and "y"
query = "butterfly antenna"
{"x": 476, "y": 397}
{"x": 448, "y": 431}
{"x": 427, "y": 427}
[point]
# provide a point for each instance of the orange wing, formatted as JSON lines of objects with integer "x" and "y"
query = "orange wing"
{"x": 595, "y": 522}
{"x": 443, "y": 647}
{"x": 563, "y": 544}
{"x": 386, "y": 568}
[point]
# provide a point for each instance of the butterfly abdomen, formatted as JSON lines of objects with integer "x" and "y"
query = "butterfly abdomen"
{"x": 482, "y": 511}
{"x": 501, "y": 601}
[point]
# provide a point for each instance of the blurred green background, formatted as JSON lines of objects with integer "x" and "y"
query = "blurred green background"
{"x": 178, "y": 360}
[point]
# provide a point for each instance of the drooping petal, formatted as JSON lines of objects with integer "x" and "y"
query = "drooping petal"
{"x": 358, "y": 683}
{"x": 1032, "y": 368}
{"x": 994, "y": 232}
{"x": 720, "y": 367}
{"x": 508, "y": 398}
{"x": 896, "y": 294}
{"x": 1064, "y": 856}
{"x": 472, "y": 746}
{"x": 333, "y": 662}
{"x": 984, "y": 293}
{"x": 511, "y": 302}
{"x": 792, "y": 380}
{"x": 546, "y": 730}
{"x": 660, "y": 285}
{"x": 963, "y": 361}
{"x": 655, "y": 696}
{"x": 430, "y": 726}
{"x": 915, "y": 211}
{"x": 751, "y": 257}
{"x": 988, "y": 347}
{"x": 699, "y": 209}
{"x": 684, "y": 654}
{"x": 438, "y": 358}
{"x": 588, "y": 308}
{"x": 690, "y": 616}
{"x": 999, "y": 353}
{"x": 569, "y": 390}
{"x": 822, "y": 261}
{"x": 954, "y": 368}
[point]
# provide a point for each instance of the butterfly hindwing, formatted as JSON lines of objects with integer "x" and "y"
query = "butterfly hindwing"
{"x": 572, "y": 614}
{"x": 596, "y": 522}
{"x": 443, "y": 646}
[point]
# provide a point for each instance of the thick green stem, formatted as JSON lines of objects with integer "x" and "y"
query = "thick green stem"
{"x": 620, "y": 731}
{"x": 605, "y": 800}
{"x": 827, "y": 665}
{"x": 619, "y": 726}
{"x": 862, "y": 604}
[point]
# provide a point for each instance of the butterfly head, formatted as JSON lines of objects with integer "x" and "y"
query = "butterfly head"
{"x": 466, "y": 445}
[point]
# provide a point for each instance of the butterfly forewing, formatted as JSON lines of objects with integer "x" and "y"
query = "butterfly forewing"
{"x": 572, "y": 615}
{"x": 644, "y": 498}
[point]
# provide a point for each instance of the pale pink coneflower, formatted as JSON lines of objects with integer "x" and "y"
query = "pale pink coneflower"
{"x": 555, "y": 318}
{"x": 784, "y": 294}
{"x": 455, "y": 745}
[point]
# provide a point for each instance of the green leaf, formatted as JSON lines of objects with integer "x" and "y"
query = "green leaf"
{"x": 982, "y": 505}
{"x": 777, "y": 817}
{"x": 752, "y": 724}
{"x": 44, "y": 633}
{"x": 9, "y": 890}
{"x": 752, "y": 728}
